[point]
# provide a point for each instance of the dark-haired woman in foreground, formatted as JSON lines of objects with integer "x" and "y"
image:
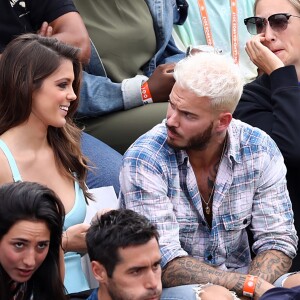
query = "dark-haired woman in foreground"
{"x": 31, "y": 220}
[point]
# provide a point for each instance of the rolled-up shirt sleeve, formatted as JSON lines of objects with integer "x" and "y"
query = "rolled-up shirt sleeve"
{"x": 272, "y": 215}
{"x": 144, "y": 189}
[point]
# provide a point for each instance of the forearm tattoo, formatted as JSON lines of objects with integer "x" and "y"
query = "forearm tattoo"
{"x": 270, "y": 265}
{"x": 188, "y": 270}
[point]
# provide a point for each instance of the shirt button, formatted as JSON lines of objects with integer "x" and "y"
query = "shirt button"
{"x": 245, "y": 221}
{"x": 209, "y": 257}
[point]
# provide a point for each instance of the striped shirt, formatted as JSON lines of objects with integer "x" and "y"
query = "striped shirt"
{"x": 250, "y": 190}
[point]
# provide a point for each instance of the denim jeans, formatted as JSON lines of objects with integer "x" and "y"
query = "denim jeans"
{"x": 182, "y": 292}
{"x": 105, "y": 163}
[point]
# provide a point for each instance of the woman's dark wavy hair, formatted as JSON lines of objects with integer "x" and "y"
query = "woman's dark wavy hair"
{"x": 24, "y": 65}
{"x": 34, "y": 202}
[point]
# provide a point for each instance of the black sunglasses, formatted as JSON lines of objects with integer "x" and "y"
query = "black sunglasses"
{"x": 278, "y": 22}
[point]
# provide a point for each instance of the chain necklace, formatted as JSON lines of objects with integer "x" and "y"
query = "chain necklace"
{"x": 207, "y": 208}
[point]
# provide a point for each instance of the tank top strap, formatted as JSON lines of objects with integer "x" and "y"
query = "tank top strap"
{"x": 12, "y": 163}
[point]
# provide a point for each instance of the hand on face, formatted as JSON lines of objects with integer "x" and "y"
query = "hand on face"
{"x": 261, "y": 55}
{"x": 161, "y": 82}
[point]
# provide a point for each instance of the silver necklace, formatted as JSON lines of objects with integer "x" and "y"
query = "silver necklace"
{"x": 207, "y": 208}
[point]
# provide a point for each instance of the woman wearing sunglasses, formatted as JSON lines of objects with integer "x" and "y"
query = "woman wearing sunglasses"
{"x": 272, "y": 101}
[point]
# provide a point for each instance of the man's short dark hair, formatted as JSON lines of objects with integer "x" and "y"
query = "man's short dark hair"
{"x": 117, "y": 229}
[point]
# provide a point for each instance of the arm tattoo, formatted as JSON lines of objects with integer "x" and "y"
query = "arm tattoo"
{"x": 270, "y": 265}
{"x": 188, "y": 270}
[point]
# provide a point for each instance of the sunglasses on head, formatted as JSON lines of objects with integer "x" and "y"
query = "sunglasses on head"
{"x": 278, "y": 22}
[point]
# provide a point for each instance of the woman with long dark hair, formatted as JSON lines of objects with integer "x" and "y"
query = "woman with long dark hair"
{"x": 31, "y": 221}
{"x": 39, "y": 87}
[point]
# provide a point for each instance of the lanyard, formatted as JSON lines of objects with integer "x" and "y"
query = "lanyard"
{"x": 234, "y": 28}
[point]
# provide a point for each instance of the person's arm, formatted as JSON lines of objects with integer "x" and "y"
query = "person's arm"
{"x": 70, "y": 29}
{"x": 73, "y": 239}
{"x": 64, "y": 21}
{"x": 272, "y": 225}
{"x": 101, "y": 96}
{"x": 188, "y": 270}
{"x": 63, "y": 27}
{"x": 271, "y": 103}
{"x": 270, "y": 265}
{"x": 161, "y": 82}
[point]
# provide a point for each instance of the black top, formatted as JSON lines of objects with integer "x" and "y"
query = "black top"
{"x": 24, "y": 16}
{"x": 272, "y": 103}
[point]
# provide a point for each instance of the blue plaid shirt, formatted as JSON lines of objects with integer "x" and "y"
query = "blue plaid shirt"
{"x": 250, "y": 190}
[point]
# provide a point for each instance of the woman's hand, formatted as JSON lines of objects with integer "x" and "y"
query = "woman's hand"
{"x": 262, "y": 56}
{"x": 74, "y": 238}
{"x": 100, "y": 213}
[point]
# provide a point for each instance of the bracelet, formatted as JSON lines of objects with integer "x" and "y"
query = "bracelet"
{"x": 65, "y": 234}
{"x": 249, "y": 286}
{"x": 146, "y": 95}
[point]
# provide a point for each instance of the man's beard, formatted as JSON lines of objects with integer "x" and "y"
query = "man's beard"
{"x": 198, "y": 142}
